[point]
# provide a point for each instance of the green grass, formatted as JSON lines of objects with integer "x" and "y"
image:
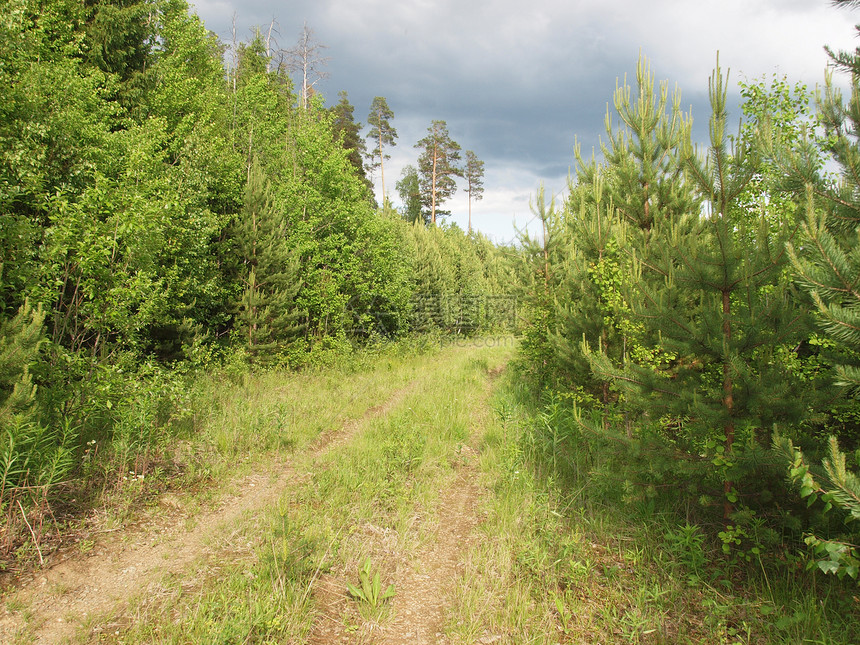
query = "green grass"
{"x": 373, "y": 497}
{"x": 558, "y": 558}
{"x": 560, "y": 561}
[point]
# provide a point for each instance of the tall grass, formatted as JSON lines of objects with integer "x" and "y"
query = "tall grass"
{"x": 565, "y": 559}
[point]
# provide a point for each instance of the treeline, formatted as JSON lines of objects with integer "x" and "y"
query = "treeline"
{"x": 694, "y": 320}
{"x": 158, "y": 211}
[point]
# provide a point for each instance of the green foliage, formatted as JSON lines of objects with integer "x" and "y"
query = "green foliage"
{"x": 33, "y": 458}
{"x": 20, "y": 341}
{"x": 348, "y": 132}
{"x": 687, "y": 544}
{"x": 836, "y": 487}
{"x": 473, "y": 173}
{"x": 438, "y": 168}
{"x": 410, "y": 194}
{"x": 267, "y": 317}
{"x": 370, "y": 590}
{"x": 382, "y": 133}
{"x": 155, "y": 210}
{"x": 713, "y": 295}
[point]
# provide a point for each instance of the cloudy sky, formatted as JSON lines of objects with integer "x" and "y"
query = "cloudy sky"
{"x": 518, "y": 82}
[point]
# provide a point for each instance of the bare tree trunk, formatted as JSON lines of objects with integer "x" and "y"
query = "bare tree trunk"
{"x": 269, "y": 47}
{"x": 382, "y": 166}
{"x": 470, "y": 210}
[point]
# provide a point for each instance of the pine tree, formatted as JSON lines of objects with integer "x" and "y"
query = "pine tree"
{"x": 20, "y": 339}
{"x": 827, "y": 262}
{"x": 438, "y": 166}
{"x": 349, "y": 133}
{"x": 542, "y": 256}
{"x": 267, "y": 316}
{"x": 646, "y": 181}
{"x": 588, "y": 304}
{"x": 381, "y": 133}
{"x": 716, "y": 297}
{"x": 611, "y": 209}
{"x": 474, "y": 175}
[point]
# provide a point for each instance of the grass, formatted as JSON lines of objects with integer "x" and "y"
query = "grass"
{"x": 557, "y": 558}
{"x": 559, "y": 562}
{"x": 374, "y": 497}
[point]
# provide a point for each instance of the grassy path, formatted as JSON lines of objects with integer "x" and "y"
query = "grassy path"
{"x": 432, "y": 474}
{"x": 377, "y": 466}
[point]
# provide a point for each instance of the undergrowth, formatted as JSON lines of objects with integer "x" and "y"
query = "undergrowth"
{"x": 567, "y": 555}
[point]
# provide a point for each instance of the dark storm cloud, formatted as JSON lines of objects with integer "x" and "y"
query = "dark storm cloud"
{"x": 519, "y": 82}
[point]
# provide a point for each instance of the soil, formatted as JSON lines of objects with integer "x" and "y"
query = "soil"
{"x": 423, "y": 580}
{"x": 59, "y": 600}
{"x": 71, "y": 598}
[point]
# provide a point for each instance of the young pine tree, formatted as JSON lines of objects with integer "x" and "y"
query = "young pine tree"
{"x": 613, "y": 208}
{"x": 715, "y": 296}
{"x": 827, "y": 265}
{"x": 267, "y": 317}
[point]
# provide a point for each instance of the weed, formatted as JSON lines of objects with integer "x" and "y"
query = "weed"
{"x": 686, "y": 544}
{"x": 563, "y": 609}
{"x": 370, "y": 589}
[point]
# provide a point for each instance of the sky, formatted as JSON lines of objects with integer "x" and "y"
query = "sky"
{"x": 520, "y": 83}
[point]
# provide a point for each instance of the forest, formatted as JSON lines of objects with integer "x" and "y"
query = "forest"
{"x": 176, "y": 212}
{"x": 162, "y": 209}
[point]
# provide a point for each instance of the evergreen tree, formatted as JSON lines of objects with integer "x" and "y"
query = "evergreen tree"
{"x": 20, "y": 339}
{"x": 118, "y": 41}
{"x": 252, "y": 59}
{"x": 382, "y": 134}
{"x": 716, "y": 297}
{"x": 646, "y": 181}
{"x": 438, "y": 167}
{"x": 541, "y": 256}
{"x": 588, "y": 303}
{"x": 267, "y": 316}
{"x": 611, "y": 209}
{"x": 474, "y": 175}
{"x": 349, "y": 133}
{"x": 827, "y": 260}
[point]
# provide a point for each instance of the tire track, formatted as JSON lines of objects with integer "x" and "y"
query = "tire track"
{"x": 61, "y": 599}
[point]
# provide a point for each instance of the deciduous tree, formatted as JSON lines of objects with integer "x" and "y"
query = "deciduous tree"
{"x": 409, "y": 190}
